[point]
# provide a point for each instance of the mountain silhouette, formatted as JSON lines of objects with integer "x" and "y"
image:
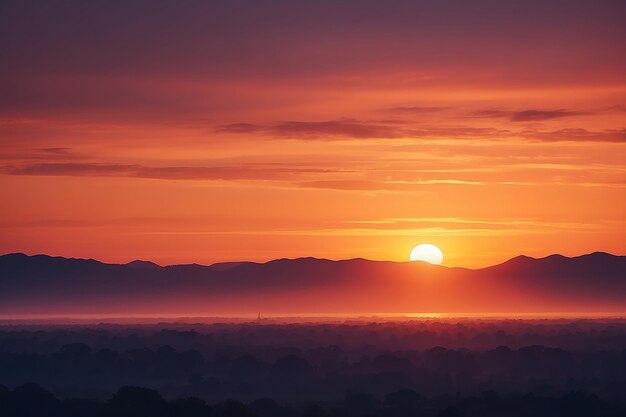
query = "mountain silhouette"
{"x": 43, "y": 284}
{"x": 138, "y": 264}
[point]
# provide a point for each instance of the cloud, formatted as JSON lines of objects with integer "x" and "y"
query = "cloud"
{"x": 45, "y": 154}
{"x": 532, "y": 115}
{"x": 416, "y": 109}
{"x": 453, "y": 222}
{"x": 577, "y": 135}
{"x": 491, "y": 113}
{"x": 166, "y": 173}
{"x": 368, "y": 185}
{"x": 346, "y": 185}
{"x": 55, "y": 151}
{"x": 538, "y": 115}
{"x": 350, "y": 128}
{"x": 355, "y": 129}
{"x": 459, "y": 132}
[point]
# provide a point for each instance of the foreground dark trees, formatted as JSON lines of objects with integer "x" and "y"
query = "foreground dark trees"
{"x": 31, "y": 400}
{"x": 353, "y": 369}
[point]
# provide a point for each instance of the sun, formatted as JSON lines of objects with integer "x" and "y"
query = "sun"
{"x": 427, "y": 253}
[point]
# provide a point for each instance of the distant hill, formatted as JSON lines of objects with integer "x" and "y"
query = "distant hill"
{"x": 137, "y": 264}
{"x": 43, "y": 284}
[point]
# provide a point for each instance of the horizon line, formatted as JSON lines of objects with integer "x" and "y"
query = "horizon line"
{"x": 521, "y": 256}
{"x": 252, "y": 317}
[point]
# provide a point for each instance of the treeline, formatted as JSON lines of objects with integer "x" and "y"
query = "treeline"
{"x": 472, "y": 367}
{"x": 76, "y": 370}
{"x": 31, "y": 400}
{"x": 349, "y": 335}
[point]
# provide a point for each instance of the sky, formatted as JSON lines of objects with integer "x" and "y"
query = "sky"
{"x": 201, "y": 131}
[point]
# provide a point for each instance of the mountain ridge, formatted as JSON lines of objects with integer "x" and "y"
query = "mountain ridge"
{"x": 42, "y": 284}
{"x": 138, "y": 262}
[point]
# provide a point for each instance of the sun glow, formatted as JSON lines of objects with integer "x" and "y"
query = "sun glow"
{"x": 427, "y": 253}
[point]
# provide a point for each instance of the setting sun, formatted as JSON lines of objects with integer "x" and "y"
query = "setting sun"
{"x": 427, "y": 253}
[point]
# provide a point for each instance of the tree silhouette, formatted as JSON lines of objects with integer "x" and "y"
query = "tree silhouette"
{"x": 137, "y": 402}
{"x": 403, "y": 399}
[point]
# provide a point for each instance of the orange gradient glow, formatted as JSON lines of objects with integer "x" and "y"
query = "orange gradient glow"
{"x": 359, "y": 134}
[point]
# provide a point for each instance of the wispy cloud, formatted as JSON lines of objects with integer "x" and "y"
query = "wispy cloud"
{"x": 38, "y": 154}
{"x": 354, "y": 185}
{"x": 538, "y": 115}
{"x": 366, "y": 185}
{"x": 455, "y": 222}
{"x": 355, "y": 129}
{"x": 531, "y": 115}
{"x": 350, "y": 128}
{"x": 577, "y": 135}
{"x": 167, "y": 173}
{"x": 55, "y": 151}
{"x": 416, "y": 109}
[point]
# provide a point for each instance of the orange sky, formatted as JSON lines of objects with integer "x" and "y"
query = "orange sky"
{"x": 215, "y": 133}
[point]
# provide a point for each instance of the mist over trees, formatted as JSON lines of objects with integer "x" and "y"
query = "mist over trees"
{"x": 348, "y": 368}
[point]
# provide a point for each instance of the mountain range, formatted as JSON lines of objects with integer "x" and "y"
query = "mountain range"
{"x": 42, "y": 284}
